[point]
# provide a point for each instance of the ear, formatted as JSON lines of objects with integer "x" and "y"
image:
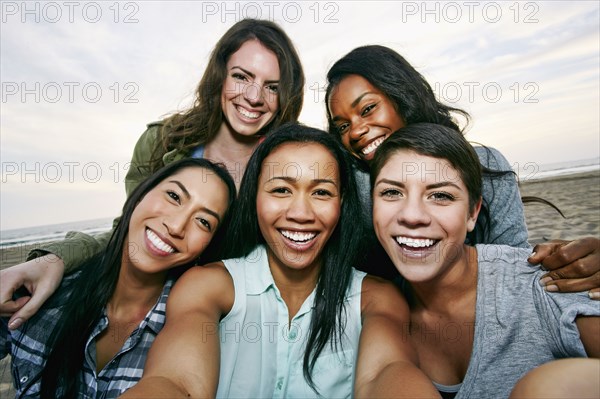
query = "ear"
{"x": 473, "y": 216}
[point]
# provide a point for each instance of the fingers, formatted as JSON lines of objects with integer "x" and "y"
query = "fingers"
{"x": 580, "y": 268}
{"x": 542, "y": 251}
{"x": 10, "y": 307}
{"x": 40, "y": 277}
{"x": 591, "y": 284}
{"x": 29, "y": 307}
{"x": 11, "y": 280}
{"x": 585, "y": 252}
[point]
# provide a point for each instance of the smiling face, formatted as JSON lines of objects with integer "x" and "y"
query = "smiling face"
{"x": 249, "y": 98}
{"x": 363, "y": 115}
{"x": 176, "y": 220}
{"x": 298, "y": 204}
{"x": 421, "y": 215}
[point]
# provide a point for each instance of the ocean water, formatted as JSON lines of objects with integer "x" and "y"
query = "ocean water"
{"x": 51, "y": 232}
{"x": 30, "y": 235}
{"x": 536, "y": 172}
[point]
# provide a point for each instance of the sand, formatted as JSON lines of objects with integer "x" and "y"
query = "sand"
{"x": 577, "y": 196}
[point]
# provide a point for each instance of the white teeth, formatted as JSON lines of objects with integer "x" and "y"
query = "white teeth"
{"x": 248, "y": 114}
{"x": 158, "y": 243}
{"x": 415, "y": 242}
{"x": 373, "y": 146}
{"x": 298, "y": 237}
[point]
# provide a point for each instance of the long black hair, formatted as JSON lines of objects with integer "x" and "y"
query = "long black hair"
{"x": 342, "y": 251}
{"x": 96, "y": 284}
{"x": 412, "y": 97}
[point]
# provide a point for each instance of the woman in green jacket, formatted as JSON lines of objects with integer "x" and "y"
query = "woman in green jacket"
{"x": 252, "y": 84}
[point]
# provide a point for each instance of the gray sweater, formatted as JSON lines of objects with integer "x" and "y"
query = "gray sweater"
{"x": 518, "y": 325}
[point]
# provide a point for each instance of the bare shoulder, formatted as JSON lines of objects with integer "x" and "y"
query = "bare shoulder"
{"x": 200, "y": 287}
{"x": 382, "y": 297}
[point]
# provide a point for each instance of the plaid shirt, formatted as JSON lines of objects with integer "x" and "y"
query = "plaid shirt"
{"x": 27, "y": 346}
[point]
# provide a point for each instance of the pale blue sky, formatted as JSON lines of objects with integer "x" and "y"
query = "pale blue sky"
{"x": 79, "y": 84}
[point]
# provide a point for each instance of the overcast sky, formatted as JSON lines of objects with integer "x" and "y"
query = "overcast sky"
{"x": 81, "y": 79}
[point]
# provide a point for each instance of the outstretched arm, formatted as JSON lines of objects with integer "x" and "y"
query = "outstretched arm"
{"x": 47, "y": 264}
{"x": 184, "y": 359}
{"x": 387, "y": 363}
{"x": 574, "y": 265}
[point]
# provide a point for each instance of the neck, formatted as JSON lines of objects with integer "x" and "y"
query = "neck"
{"x": 232, "y": 142}
{"x": 231, "y": 149}
{"x": 136, "y": 292}
{"x": 295, "y": 285}
{"x": 442, "y": 293}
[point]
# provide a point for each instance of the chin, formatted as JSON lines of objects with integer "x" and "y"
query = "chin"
{"x": 415, "y": 273}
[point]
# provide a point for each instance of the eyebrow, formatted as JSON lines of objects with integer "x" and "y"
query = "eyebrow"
{"x": 357, "y": 100}
{"x": 253, "y": 76}
{"x": 188, "y": 196}
{"x": 353, "y": 104}
{"x": 429, "y": 186}
{"x": 292, "y": 180}
{"x": 182, "y": 187}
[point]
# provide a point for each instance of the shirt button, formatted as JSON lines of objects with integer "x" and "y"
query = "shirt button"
{"x": 24, "y": 379}
{"x": 293, "y": 334}
{"x": 280, "y": 383}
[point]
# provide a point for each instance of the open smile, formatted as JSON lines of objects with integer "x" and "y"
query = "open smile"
{"x": 299, "y": 240}
{"x": 372, "y": 146}
{"x": 157, "y": 245}
{"x": 247, "y": 114}
{"x": 416, "y": 247}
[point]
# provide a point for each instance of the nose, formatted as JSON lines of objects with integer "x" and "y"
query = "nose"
{"x": 300, "y": 209}
{"x": 253, "y": 93}
{"x": 176, "y": 224}
{"x": 413, "y": 213}
{"x": 358, "y": 129}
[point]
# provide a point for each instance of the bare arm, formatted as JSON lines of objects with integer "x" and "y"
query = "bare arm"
{"x": 387, "y": 362}
{"x": 589, "y": 331}
{"x": 184, "y": 359}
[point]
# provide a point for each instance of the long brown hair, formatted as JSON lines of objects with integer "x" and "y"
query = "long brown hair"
{"x": 201, "y": 122}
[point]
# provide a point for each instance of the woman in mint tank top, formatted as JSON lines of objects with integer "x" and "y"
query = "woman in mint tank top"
{"x": 479, "y": 318}
{"x": 287, "y": 315}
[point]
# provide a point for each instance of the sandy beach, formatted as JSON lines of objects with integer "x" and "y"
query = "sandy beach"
{"x": 577, "y": 196}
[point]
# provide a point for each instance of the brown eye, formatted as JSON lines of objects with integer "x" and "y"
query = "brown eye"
{"x": 239, "y": 76}
{"x": 342, "y": 128}
{"x": 367, "y": 109}
{"x": 174, "y": 196}
{"x": 442, "y": 196}
{"x": 205, "y": 223}
{"x": 390, "y": 193}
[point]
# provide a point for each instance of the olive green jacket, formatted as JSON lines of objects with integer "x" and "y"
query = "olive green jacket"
{"x": 78, "y": 247}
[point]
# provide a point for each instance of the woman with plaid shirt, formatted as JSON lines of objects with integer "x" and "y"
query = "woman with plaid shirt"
{"x": 92, "y": 336}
